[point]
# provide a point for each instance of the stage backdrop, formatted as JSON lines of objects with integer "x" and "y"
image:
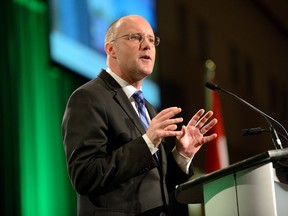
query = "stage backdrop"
{"x": 34, "y": 93}
{"x": 33, "y": 97}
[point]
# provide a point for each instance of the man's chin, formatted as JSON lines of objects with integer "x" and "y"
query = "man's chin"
{"x": 147, "y": 70}
{"x": 146, "y": 73}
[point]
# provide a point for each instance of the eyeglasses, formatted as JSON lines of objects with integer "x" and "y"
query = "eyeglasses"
{"x": 138, "y": 38}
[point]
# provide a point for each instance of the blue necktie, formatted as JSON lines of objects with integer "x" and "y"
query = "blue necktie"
{"x": 139, "y": 99}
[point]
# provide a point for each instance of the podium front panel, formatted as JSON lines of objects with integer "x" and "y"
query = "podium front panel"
{"x": 256, "y": 191}
{"x": 281, "y": 191}
{"x": 220, "y": 197}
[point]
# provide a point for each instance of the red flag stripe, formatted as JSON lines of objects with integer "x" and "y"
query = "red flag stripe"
{"x": 216, "y": 151}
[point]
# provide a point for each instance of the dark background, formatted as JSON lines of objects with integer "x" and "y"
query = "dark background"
{"x": 247, "y": 40}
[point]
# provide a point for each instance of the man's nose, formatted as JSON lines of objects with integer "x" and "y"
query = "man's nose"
{"x": 146, "y": 44}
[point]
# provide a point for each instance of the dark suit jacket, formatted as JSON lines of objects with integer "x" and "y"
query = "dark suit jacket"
{"x": 109, "y": 163}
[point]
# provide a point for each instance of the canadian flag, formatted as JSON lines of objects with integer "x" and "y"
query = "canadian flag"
{"x": 216, "y": 150}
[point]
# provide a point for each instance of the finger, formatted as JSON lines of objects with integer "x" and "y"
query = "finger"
{"x": 170, "y": 133}
{"x": 171, "y": 127}
{"x": 207, "y": 139}
{"x": 208, "y": 126}
{"x": 170, "y": 122}
{"x": 168, "y": 113}
{"x": 183, "y": 130}
{"x": 165, "y": 117}
{"x": 196, "y": 117}
{"x": 204, "y": 119}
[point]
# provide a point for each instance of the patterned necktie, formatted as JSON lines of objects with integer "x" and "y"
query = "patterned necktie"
{"x": 139, "y": 99}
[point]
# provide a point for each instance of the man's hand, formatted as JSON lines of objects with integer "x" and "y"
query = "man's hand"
{"x": 192, "y": 137}
{"x": 164, "y": 125}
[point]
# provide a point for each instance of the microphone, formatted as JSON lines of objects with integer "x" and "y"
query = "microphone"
{"x": 275, "y": 138}
{"x": 212, "y": 86}
{"x": 254, "y": 131}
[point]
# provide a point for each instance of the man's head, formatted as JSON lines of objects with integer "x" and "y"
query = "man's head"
{"x": 130, "y": 47}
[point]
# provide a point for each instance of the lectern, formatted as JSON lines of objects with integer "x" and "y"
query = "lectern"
{"x": 257, "y": 186}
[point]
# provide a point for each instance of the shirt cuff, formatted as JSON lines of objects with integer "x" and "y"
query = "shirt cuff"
{"x": 183, "y": 161}
{"x": 150, "y": 145}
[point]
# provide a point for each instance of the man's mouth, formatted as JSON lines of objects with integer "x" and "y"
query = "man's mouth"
{"x": 146, "y": 57}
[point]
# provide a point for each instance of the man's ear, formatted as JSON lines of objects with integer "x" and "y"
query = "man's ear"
{"x": 109, "y": 48}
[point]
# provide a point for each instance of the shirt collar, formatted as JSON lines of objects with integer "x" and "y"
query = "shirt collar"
{"x": 127, "y": 88}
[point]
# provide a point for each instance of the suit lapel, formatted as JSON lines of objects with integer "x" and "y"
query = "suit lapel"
{"x": 125, "y": 103}
{"x": 151, "y": 110}
{"x": 122, "y": 99}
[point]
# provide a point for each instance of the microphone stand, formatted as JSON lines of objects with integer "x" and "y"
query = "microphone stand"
{"x": 276, "y": 141}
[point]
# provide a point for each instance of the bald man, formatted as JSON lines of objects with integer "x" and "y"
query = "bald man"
{"x": 117, "y": 158}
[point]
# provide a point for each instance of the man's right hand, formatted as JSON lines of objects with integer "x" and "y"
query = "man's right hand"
{"x": 164, "y": 124}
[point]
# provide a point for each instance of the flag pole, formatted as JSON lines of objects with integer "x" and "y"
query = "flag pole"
{"x": 216, "y": 155}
